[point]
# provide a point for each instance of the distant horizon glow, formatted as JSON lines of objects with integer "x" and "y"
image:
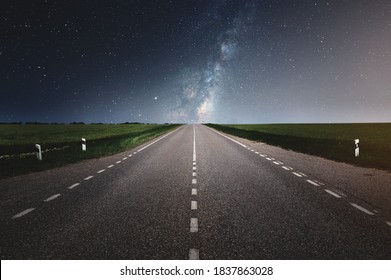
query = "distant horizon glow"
{"x": 220, "y": 61}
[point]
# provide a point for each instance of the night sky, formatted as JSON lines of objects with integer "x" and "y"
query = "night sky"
{"x": 195, "y": 61}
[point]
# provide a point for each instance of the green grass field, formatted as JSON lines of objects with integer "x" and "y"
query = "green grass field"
{"x": 332, "y": 141}
{"x": 61, "y": 144}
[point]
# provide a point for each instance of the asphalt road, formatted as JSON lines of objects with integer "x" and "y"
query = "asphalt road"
{"x": 193, "y": 193}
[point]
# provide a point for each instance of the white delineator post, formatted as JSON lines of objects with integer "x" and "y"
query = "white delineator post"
{"x": 356, "y": 147}
{"x": 38, "y": 151}
{"x": 83, "y": 144}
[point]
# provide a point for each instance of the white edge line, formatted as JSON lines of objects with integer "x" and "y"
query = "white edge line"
{"x": 23, "y": 213}
{"x": 366, "y": 211}
{"x": 332, "y": 193}
{"x": 74, "y": 185}
{"x": 297, "y": 174}
{"x": 237, "y": 142}
{"x": 52, "y": 197}
{"x": 194, "y": 254}
{"x": 313, "y": 183}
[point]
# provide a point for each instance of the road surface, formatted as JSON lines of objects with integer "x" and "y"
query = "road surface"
{"x": 192, "y": 194}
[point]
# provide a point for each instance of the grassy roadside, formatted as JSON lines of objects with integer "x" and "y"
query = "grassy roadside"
{"x": 61, "y": 144}
{"x": 331, "y": 141}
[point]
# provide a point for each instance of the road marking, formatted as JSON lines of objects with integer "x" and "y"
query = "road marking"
{"x": 100, "y": 171}
{"x": 284, "y": 167}
{"x": 194, "y": 254}
{"x": 194, "y": 163}
{"x": 333, "y": 193}
{"x": 110, "y": 166}
{"x": 362, "y": 209}
{"x": 237, "y": 142}
{"x": 301, "y": 173}
{"x": 297, "y": 174}
{"x": 194, "y": 205}
{"x": 118, "y": 162}
{"x": 194, "y": 191}
{"x": 129, "y": 155}
{"x": 194, "y": 168}
{"x": 23, "y": 213}
{"x": 74, "y": 185}
{"x": 276, "y": 163}
{"x": 194, "y": 145}
{"x": 125, "y": 158}
{"x": 262, "y": 155}
{"x": 88, "y": 178}
{"x": 52, "y": 197}
{"x": 313, "y": 183}
{"x": 194, "y": 174}
{"x": 268, "y": 158}
{"x": 156, "y": 140}
{"x": 280, "y": 162}
{"x": 257, "y": 153}
{"x": 193, "y": 225}
{"x": 388, "y": 223}
{"x": 252, "y": 150}
{"x": 194, "y": 181}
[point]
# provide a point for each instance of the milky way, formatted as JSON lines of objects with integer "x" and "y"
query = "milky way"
{"x": 196, "y": 61}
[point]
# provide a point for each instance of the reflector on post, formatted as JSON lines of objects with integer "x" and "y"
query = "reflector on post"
{"x": 38, "y": 151}
{"x": 83, "y": 144}
{"x": 356, "y": 147}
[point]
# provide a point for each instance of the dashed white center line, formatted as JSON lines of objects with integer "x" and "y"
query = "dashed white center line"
{"x": 366, "y": 211}
{"x": 100, "y": 171}
{"x": 118, "y": 162}
{"x": 52, "y": 197}
{"x": 276, "y": 163}
{"x": 262, "y": 155}
{"x": 297, "y": 174}
{"x": 194, "y": 205}
{"x": 194, "y": 174}
{"x": 257, "y": 153}
{"x": 193, "y": 225}
{"x": 23, "y": 213}
{"x": 194, "y": 168}
{"x": 313, "y": 183}
{"x": 135, "y": 153}
{"x": 125, "y": 158}
{"x": 110, "y": 166}
{"x": 284, "y": 167}
{"x": 194, "y": 163}
{"x": 333, "y": 193}
{"x": 268, "y": 158}
{"x": 74, "y": 185}
{"x": 194, "y": 254}
{"x": 194, "y": 191}
{"x": 194, "y": 181}
{"x": 388, "y": 223}
{"x": 88, "y": 178}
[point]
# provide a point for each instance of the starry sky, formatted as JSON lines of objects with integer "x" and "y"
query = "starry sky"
{"x": 219, "y": 61}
